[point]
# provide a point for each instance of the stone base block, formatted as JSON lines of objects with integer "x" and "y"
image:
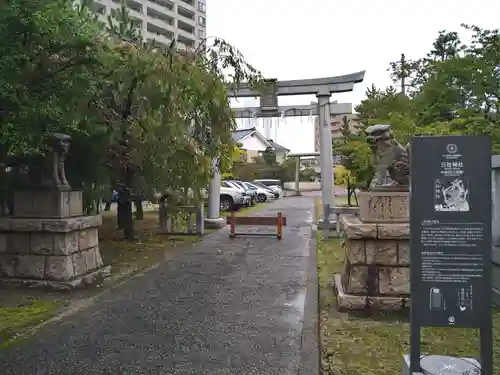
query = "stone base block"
{"x": 48, "y": 204}
{"x": 58, "y": 251}
{"x": 50, "y": 267}
{"x": 379, "y": 252}
{"x": 434, "y": 364}
{"x": 355, "y": 228}
{"x": 61, "y": 225}
{"x": 215, "y": 223}
{"x": 93, "y": 278}
{"x": 346, "y": 301}
{"x": 384, "y": 206}
{"x": 392, "y": 281}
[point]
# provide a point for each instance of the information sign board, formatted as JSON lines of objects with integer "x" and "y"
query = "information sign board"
{"x": 450, "y": 234}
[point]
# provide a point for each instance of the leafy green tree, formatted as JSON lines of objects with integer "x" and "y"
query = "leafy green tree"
{"x": 169, "y": 112}
{"x": 47, "y": 73}
{"x": 454, "y": 89}
{"x": 140, "y": 117}
{"x": 269, "y": 156}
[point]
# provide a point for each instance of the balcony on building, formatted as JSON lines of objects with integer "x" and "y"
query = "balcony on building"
{"x": 188, "y": 2}
{"x": 187, "y": 42}
{"x": 133, "y": 5}
{"x": 166, "y": 4}
{"x": 186, "y": 13}
{"x": 153, "y": 13}
{"x": 186, "y": 27}
{"x": 153, "y": 42}
{"x": 98, "y": 8}
{"x": 137, "y": 22}
{"x": 158, "y": 33}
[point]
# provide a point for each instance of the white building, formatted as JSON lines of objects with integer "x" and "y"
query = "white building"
{"x": 254, "y": 143}
{"x": 164, "y": 20}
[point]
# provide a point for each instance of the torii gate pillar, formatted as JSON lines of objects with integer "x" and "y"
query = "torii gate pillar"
{"x": 326, "y": 154}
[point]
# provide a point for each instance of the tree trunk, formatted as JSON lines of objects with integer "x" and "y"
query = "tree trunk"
{"x": 349, "y": 193}
{"x": 126, "y": 214}
{"x": 127, "y": 219}
{"x": 139, "y": 212}
{"x": 119, "y": 214}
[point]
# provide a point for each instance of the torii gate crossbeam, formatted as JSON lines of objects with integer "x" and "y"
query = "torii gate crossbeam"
{"x": 323, "y": 88}
{"x": 291, "y": 111}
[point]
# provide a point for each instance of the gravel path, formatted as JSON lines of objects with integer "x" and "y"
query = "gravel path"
{"x": 222, "y": 307}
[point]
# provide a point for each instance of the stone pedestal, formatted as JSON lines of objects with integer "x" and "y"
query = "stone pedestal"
{"x": 54, "y": 251}
{"x": 377, "y": 262}
{"x": 48, "y": 204}
{"x": 384, "y": 207}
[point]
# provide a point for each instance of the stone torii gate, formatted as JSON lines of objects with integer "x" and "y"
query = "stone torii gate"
{"x": 297, "y": 168}
{"x": 323, "y": 88}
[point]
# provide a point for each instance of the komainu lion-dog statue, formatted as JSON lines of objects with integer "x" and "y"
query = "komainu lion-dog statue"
{"x": 391, "y": 160}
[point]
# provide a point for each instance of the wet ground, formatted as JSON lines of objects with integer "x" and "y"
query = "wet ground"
{"x": 224, "y": 307}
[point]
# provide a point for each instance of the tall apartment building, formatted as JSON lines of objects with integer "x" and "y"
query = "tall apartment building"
{"x": 164, "y": 20}
{"x": 336, "y": 124}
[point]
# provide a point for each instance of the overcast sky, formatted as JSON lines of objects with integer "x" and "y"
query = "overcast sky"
{"x": 292, "y": 39}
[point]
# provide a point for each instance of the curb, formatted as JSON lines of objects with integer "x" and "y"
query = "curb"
{"x": 310, "y": 354}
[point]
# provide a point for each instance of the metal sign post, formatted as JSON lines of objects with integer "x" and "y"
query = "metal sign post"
{"x": 450, "y": 239}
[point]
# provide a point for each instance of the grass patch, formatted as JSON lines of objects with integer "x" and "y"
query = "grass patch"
{"x": 362, "y": 344}
{"x": 24, "y": 314}
{"x": 149, "y": 249}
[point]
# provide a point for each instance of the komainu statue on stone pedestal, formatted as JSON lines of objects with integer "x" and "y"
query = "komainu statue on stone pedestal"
{"x": 42, "y": 171}
{"x": 54, "y": 176}
{"x": 391, "y": 159}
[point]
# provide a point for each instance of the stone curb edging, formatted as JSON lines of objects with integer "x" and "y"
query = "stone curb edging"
{"x": 310, "y": 351}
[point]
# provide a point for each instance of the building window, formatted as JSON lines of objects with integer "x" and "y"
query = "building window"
{"x": 202, "y": 7}
{"x": 201, "y": 34}
{"x": 244, "y": 156}
{"x": 202, "y": 21}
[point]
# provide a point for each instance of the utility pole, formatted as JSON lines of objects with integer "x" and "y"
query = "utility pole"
{"x": 403, "y": 74}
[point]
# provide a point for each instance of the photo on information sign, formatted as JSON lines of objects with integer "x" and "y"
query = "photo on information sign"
{"x": 451, "y": 194}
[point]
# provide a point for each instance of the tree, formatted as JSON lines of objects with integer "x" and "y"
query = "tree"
{"x": 454, "y": 89}
{"x": 167, "y": 112}
{"x": 46, "y": 74}
{"x": 140, "y": 117}
{"x": 269, "y": 156}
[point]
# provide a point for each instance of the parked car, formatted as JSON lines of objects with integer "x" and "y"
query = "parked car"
{"x": 274, "y": 185}
{"x": 246, "y": 188}
{"x": 276, "y": 192}
{"x": 263, "y": 193}
{"x": 252, "y": 190}
{"x": 231, "y": 198}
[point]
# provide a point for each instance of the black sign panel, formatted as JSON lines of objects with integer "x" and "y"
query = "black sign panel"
{"x": 450, "y": 230}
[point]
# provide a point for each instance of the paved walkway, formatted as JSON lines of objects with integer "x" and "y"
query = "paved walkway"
{"x": 223, "y": 307}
